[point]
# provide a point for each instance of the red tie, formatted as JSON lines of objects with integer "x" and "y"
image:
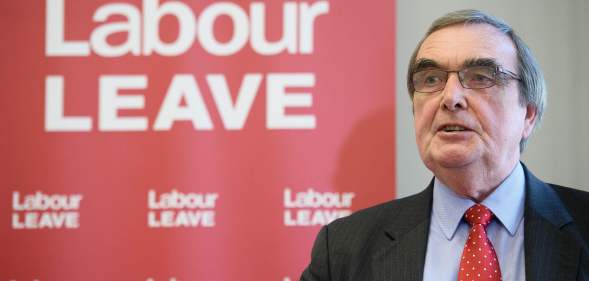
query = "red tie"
{"x": 479, "y": 260}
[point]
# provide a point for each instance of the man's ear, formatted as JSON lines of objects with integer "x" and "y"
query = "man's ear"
{"x": 529, "y": 121}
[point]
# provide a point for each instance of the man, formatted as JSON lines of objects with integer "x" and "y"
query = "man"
{"x": 477, "y": 96}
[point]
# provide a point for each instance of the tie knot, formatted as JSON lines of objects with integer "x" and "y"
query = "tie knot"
{"x": 478, "y": 214}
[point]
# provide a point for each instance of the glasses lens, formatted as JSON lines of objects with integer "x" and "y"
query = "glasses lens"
{"x": 429, "y": 80}
{"x": 478, "y": 77}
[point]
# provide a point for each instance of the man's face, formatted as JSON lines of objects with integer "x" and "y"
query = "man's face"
{"x": 493, "y": 119}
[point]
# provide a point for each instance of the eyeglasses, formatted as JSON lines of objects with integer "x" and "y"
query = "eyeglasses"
{"x": 475, "y": 77}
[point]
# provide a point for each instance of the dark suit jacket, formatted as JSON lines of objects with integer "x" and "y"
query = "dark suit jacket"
{"x": 388, "y": 241}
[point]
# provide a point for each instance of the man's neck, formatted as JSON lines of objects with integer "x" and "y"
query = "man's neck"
{"x": 476, "y": 183}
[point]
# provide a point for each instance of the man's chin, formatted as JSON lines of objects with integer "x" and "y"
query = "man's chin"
{"x": 453, "y": 158}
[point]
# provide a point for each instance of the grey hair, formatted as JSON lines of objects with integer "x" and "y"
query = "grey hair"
{"x": 532, "y": 86}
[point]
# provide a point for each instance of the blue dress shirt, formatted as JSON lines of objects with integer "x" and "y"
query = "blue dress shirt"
{"x": 448, "y": 231}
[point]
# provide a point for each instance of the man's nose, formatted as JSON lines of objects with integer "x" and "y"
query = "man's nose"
{"x": 453, "y": 97}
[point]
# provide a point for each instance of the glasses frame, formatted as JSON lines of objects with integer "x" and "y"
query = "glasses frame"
{"x": 498, "y": 70}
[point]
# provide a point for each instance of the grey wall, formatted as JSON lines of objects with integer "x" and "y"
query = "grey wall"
{"x": 558, "y": 33}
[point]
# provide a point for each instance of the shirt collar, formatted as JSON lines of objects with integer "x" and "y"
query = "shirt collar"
{"x": 506, "y": 202}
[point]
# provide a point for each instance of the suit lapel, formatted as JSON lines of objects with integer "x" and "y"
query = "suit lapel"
{"x": 406, "y": 244}
{"x": 551, "y": 253}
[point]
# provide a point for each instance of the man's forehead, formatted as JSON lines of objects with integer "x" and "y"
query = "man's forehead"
{"x": 453, "y": 46}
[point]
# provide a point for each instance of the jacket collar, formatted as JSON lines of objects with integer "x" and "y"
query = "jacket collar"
{"x": 551, "y": 251}
{"x": 544, "y": 201}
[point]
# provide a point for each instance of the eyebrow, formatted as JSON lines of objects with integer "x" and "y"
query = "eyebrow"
{"x": 422, "y": 64}
{"x": 425, "y": 63}
{"x": 480, "y": 62}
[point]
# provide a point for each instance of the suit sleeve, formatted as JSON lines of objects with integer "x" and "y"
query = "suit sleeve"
{"x": 318, "y": 268}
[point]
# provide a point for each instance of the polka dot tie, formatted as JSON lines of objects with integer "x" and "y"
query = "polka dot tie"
{"x": 479, "y": 261}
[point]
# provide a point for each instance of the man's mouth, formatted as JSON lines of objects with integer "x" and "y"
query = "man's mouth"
{"x": 453, "y": 128}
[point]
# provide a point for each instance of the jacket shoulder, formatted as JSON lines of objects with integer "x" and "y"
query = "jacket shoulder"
{"x": 576, "y": 202}
{"x": 364, "y": 225}
{"x": 380, "y": 213}
{"x": 576, "y": 197}
{"x": 344, "y": 247}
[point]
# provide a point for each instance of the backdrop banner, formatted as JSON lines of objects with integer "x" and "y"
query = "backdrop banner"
{"x": 189, "y": 140}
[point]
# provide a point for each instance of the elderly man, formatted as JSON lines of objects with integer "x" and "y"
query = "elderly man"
{"x": 477, "y": 95}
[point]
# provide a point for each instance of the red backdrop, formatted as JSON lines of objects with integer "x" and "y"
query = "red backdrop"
{"x": 207, "y": 157}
